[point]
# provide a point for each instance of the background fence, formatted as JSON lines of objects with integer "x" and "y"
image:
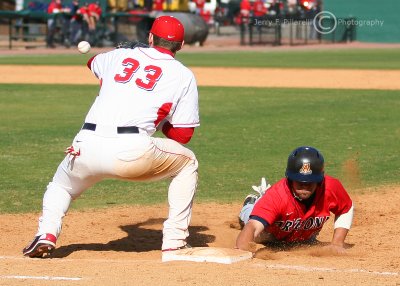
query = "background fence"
{"x": 294, "y": 31}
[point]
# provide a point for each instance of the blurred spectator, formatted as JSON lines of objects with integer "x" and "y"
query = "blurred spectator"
{"x": 169, "y": 4}
{"x": 83, "y": 16}
{"x": 220, "y": 14}
{"x": 199, "y": 6}
{"x": 91, "y": 13}
{"x": 94, "y": 13}
{"x": 133, "y": 4}
{"x": 245, "y": 12}
{"x": 245, "y": 8}
{"x": 307, "y": 5}
{"x": 75, "y": 24}
{"x": 275, "y": 8}
{"x": 292, "y": 6}
{"x": 56, "y": 23}
{"x": 37, "y": 6}
{"x": 313, "y": 11}
{"x": 74, "y": 7}
{"x": 259, "y": 9}
{"x": 148, "y": 5}
{"x": 233, "y": 9}
{"x": 19, "y": 5}
{"x": 117, "y": 5}
{"x": 158, "y": 5}
{"x": 207, "y": 17}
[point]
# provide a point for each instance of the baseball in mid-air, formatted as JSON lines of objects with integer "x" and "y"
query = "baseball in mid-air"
{"x": 84, "y": 47}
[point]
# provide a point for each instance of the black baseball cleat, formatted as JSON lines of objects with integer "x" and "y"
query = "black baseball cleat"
{"x": 41, "y": 246}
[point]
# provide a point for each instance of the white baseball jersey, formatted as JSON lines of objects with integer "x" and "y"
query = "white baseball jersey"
{"x": 141, "y": 87}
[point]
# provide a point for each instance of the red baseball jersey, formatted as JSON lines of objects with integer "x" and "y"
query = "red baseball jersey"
{"x": 158, "y": 5}
{"x": 54, "y": 7}
{"x": 200, "y": 3}
{"x": 259, "y": 9}
{"x": 245, "y": 5}
{"x": 94, "y": 9}
{"x": 83, "y": 11}
{"x": 289, "y": 220}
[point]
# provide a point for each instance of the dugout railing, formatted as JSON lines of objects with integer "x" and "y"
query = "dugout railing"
{"x": 29, "y": 29}
{"x": 272, "y": 30}
{"x": 26, "y": 26}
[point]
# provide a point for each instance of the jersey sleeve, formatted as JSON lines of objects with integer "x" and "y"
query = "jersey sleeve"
{"x": 341, "y": 201}
{"x": 186, "y": 113}
{"x": 260, "y": 219}
{"x": 267, "y": 208}
{"x": 99, "y": 63}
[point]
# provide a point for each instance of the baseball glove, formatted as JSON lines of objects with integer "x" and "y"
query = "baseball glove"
{"x": 131, "y": 45}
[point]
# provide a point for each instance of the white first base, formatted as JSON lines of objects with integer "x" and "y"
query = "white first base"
{"x": 207, "y": 254}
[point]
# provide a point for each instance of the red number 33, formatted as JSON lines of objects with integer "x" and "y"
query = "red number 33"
{"x": 154, "y": 73}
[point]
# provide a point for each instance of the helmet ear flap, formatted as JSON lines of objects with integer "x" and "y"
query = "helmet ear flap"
{"x": 305, "y": 164}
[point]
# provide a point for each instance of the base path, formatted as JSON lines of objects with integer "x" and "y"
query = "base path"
{"x": 220, "y": 76}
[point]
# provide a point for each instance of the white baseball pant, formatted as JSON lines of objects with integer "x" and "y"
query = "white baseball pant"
{"x": 245, "y": 213}
{"x": 134, "y": 157}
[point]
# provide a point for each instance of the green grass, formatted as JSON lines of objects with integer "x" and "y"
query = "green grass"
{"x": 245, "y": 133}
{"x": 325, "y": 59}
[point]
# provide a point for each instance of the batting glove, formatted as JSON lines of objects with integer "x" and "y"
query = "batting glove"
{"x": 72, "y": 151}
{"x": 262, "y": 188}
{"x": 131, "y": 45}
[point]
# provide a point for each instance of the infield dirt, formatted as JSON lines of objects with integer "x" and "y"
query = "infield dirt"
{"x": 121, "y": 246}
{"x": 221, "y": 76}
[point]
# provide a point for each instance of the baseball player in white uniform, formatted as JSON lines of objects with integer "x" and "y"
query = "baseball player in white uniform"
{"x": 142, "y": 90}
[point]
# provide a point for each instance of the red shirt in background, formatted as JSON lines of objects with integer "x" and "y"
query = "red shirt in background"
{"x": 94, "y": 10}
{"x": 158, "y": 5}
{"x": 259, "y": 9}
{"x": 200, "y": 4}
{"x": 54, "y": 7}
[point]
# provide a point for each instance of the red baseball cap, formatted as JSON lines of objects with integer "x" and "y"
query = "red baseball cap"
{"x": 169, "y": 28}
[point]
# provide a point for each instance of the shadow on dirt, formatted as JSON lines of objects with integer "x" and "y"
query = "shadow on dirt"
{"x": 140, "y": 238}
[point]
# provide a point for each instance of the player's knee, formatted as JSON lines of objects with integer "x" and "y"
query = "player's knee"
{"x": 195, "y": 162}
{"x": 190, "y": 169}
{"x": 191, "y": 159}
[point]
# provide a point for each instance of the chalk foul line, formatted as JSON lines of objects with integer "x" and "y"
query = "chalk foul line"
{"x": 322, "y": 269}
{"x": 41, "y": 277}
